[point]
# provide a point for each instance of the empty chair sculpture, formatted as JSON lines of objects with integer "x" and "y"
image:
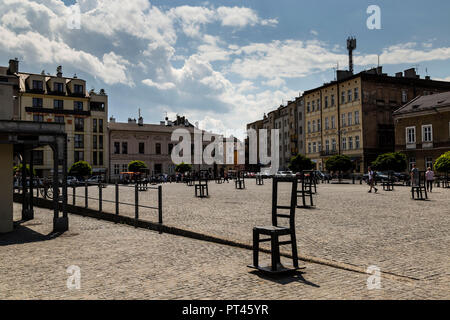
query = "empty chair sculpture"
{"x": 276, "y": 230}
{"x": 239, "y": 181}
{"x": 306, "y": 189}
{"x": 219, "y": 180}
{"x": 388, "y": 185}
{"x": 201, "y": 188}
{"x": 418, "y": 187}
{"x": 259, "y": 180}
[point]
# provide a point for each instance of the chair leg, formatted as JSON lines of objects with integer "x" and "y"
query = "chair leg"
{"x": 255, "y": 248}
{"x": 275, "y": 252}
{"x": 294, "y": 250}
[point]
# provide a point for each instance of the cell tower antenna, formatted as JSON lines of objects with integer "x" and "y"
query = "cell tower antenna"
{"x": 351, "y": 45}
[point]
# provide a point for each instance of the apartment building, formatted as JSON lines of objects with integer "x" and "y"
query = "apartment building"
{"x": 54, "y": 98}
{"x": 353, "y": 115}
{"x": 422, "y": 129}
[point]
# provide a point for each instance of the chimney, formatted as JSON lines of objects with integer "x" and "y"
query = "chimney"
{"x": 411, "y": 73}
{"x": 131, "y": 120}
{"x": 427, "y": 78}
{"x": 13, "y": 66}
{"x": 59, "y": 72}
{"x": 399, "y": 75}
{"x": 112, "y": 119}
{"x": 141, "y": 121}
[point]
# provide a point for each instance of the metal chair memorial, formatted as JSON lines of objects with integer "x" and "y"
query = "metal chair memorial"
{"x": 418, "y": 187}
{"x": 239, "y": 181}
{"x": 275, "y": 231}
{"x": 388, "y": 184}
{"x": 219, "y": 179}
{"x": 201, "y": 188}
{"x": 305, "y": 190}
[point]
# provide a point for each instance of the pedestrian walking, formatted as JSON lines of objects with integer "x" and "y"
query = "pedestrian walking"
{"x": 414, "y": 176}
{"x": 371, "y": 180}
{"x": 429, "y": 176}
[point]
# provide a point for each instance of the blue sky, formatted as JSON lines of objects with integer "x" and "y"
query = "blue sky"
{"x": 221, "y": 63}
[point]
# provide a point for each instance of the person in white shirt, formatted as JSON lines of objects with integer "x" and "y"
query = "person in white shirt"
{"x": 371, "y": 180}
{"x": 429, "y": 176}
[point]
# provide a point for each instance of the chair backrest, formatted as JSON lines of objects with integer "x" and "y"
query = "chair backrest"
{"x": 293, "y": 201}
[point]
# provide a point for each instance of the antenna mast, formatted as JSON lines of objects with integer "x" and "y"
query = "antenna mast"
{"x": 351, "y": 45}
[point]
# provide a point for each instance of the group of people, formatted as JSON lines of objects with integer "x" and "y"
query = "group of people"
{"x": 415, "y": 178}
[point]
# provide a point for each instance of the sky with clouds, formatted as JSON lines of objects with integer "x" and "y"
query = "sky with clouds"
{"x": 221, "y": 63}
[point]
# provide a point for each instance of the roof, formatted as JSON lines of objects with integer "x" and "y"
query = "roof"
{"x": 124, "y": 126}
{"x": 424, "y": 103}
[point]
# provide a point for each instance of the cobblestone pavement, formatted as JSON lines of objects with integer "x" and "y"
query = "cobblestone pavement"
{"x": 121, "y": 262}
{"x": 348, "y": 225}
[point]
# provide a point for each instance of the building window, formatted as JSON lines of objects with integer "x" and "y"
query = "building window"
{"x": 343, "y": 97}
{"x": 124, "y": 148}
{"x": 314, "y": 147}
{"x": 357, "y": 142}
{"x": 319, "y": 146}
{"x": 412, "y": 161}
{"x": 58, "y": 87}
{"x": 100, "y": 158}
{"x": 100, "y": 142}
{"x": 158, "y": 148}
{"x": 38, "y": 157}
{"x": 79, "y": 141}
{"x": 308, "y": 107}
{"x": 411, "y": 135}
{"x": 94, "y": 142}
{"x": 429, "y": 163}
{"x": 314, "y": 126}
{"x": 94, "y": 158}
{"x": 116, "y": 147}
{"x": 333, "y": 144}
{"x": 350, "y": 120}
{"x": 349, "y": 95}
{"x": 79, "y": 124}
{"x": 343, "y": 120}
{"x": 37, "y": 85}
{"x": 332, "y": 100}
{"x": 404, "y": 96}
{"x": 94, "y": 125}
{"x": 78, "y": 105}
{"x": 356, "y": 94}
{"x": 319, "y": 125}
{"x": 326, "y": 102}
{"x": 350, "y": 143}
{"x": 313, "y": 106}
{"x": 59, "y": 119}
{"x": 116, "y": 169}
{"x": 78, "y": 156}
{"x": 37, "y": 102}
{"x": 77, "y": 88}
{"x": 38, "y": 118}
{"x": 327, "y": 146}
{"x": 344, "y": 143}
{"x": 427, "y": 133}
{"x": 58, "y": 104}
{"x": 333, "y": 122}
{"x": 356, "y": 117}
{"x": 309, "y": 147}
{"x": 100, "y": 125}
{"x": 124, "y": 167}
{"x": 318, "y": 104}
{"x": 309, "y": 127}
{"x": 327, "y": 126}
{"x": 170, "y": 148}
{"x": 300, "y": 130}
{"x": 141, "y": 147}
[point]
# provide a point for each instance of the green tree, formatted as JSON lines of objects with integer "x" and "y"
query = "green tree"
{"x": 395, "y": 161}
{"x": 137, "y": 166}
{"x": 80, "y": 169}
{"x": 339, "y": 163}
{"x": 183, "y": 167}
{"x": 442, "y": 163}
{"x": 300, "y": 163}
{"x": 18, "y": 169}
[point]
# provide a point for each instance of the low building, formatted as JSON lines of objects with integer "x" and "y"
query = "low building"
{"x": 422, "y": 129}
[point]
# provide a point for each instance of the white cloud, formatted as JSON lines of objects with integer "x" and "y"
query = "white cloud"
{"x": 160, "y": 86}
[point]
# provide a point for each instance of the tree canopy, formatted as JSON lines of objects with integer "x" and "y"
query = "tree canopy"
{"x": 137, "y": 166}
{"x": 80, "y": 169}
{"x": 19, "y": 167}
{"x": 183, "y": 167}
{"x": 442, "y": 163}
{"x": 300, "y": 163}
{"x": 395, "y": 161}
{"x": 339, "y": 163}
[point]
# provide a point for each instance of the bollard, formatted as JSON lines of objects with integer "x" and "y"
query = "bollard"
{"x": 85, "y": 194}
{"x": 117, "y": 199}
{"x": 73, "y": 195}
{"x": 160, "y": 218}
{"x": 136, "y": 204}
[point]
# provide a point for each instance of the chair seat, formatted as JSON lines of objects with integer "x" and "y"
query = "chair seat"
{"x": 273, "y": 230}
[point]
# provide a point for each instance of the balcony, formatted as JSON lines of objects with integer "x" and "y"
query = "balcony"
{"x": 57, "y": 111}
{"x": 328, "y": 153}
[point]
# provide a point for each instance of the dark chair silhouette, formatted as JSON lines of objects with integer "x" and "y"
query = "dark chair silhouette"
{"x": 239, "y": 182}
{"x": 418, "y": 187}
{"x": 259, "y": 180}
{"x": 388, "y": 185}
{"x": 201, "y": 188}
{"x": 305, "y": 191}
{"x": 275, "y": 231}
{"x": 219, "y": 180}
